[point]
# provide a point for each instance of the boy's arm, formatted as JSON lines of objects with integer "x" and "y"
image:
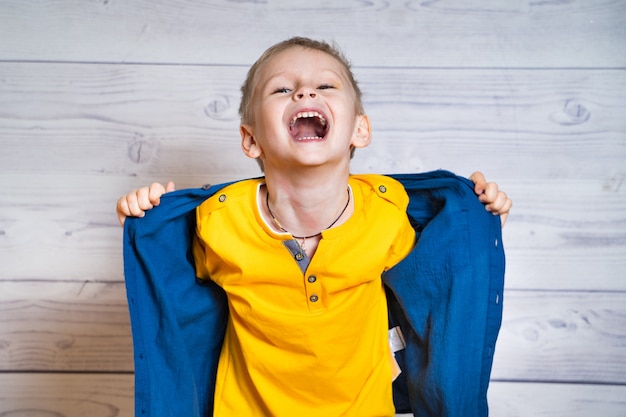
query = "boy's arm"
{"x": 136, "y": 203}
{"x": 496, "y": 201}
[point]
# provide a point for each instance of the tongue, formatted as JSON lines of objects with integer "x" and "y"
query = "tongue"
{"x": 306, "y": 128}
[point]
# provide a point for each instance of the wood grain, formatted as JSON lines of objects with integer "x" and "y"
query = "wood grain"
{"x": 101, "y": 395}
{"x": 556, "y": 400}
{"x": 566, "y": 235}
{"x": 83, "y": 326}
{"x": 560, "y": 336}
{"x": 98, "y": 98}
{"x": 78, "y": 136}
{"x": 69, "y": 326}
{"x": 178, "y": 120}
{"x": 67, "y": 395}
{"x": 562, "y": 234}
{"x": 476, "y": 33}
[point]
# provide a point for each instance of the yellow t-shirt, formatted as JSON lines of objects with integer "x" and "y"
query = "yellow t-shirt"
{"x": 304, "y": 344}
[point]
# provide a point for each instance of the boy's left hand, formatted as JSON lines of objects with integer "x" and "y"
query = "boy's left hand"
{"x": 495, "y": 201}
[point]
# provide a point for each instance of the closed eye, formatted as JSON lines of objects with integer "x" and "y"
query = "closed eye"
{"x": 281, "y": 90}
{"x": 325, "y": 87}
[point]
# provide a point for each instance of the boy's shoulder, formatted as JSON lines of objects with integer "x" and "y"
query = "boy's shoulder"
{"x": 385, "y": 187}
{"x": 233, "y": 193}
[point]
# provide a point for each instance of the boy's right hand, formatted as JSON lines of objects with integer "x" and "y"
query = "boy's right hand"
{"x": 136, "y": 203}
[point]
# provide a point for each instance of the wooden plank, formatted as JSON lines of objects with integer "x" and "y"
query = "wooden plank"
{"x": 508, "y": 399}
{"x": 562, "y": 336}
{"x": 75, "y": 137}
{"x": 66, "y": 326}
{"x": 69, "y": 395}
{"x": 83, "y": 327}
{"x": 55, "y": 227}
{"x": 150, "y": 120}
{"x": 537, "y": 124}
{"x": 64, "y": 227}
{"x": 78, "y": 136}
{"x": 119, "y": 121}
{"x": 562, "y": 234}
{"x": 566, "y": 234}
{"x": 97, "y": 395}
{"x": 476, "y": 33}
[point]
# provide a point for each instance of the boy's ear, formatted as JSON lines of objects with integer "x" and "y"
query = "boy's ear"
{"x": 249, "y": 145}
{"x": 363, "y": 133}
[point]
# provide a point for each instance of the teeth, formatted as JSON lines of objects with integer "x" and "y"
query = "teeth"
{"x": 307, "y": 114}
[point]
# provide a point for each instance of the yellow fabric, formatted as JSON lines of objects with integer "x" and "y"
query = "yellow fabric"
{"x": 284, "y": 354}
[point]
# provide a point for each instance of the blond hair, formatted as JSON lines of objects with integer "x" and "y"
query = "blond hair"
{"x": 247, "y": 88}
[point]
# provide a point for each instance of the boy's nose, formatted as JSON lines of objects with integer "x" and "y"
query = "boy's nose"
{"x": 306, "y": 92}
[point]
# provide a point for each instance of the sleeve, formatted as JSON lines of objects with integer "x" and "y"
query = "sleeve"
{"x": 404, "y": 240}
{"x": 403, "y": 243}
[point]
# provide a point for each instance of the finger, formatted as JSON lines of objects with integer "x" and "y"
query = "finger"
{"x": 128, "y": 205}
{"x": 504, "y": 211}
{"x": 489, "y": 194}
{"x": 479, "y": 182}
{"x": 122, "y": 210}
{"x": 506, "y": 206}
{"x": 500, "y": 204}
{"x": 140, "y": 200}
{"x": 170, "y": 187}
{"x": 155, "y": 192}
{"x": 503, "y": 218}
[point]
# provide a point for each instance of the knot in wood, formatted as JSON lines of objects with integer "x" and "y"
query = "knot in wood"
{"x": 219, "y": 108}
{"x": 140, "y": 151}
{"x": 572, "y": 113}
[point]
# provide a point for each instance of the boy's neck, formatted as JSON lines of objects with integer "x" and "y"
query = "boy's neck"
{"x": 306, "y": 202}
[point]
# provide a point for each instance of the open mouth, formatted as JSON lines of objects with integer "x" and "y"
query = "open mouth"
{"x": 308, "y": 125}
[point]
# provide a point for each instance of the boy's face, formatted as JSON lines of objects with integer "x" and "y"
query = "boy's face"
{"x": 303, "y": 112}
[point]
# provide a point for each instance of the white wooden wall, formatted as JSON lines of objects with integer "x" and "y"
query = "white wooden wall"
{"x": 99, "y": 97}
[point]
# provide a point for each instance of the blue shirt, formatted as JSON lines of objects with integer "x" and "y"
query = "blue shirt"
{"x": 446, "y": 297}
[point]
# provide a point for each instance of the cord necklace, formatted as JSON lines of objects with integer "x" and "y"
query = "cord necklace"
{"x": 304, "y": 238}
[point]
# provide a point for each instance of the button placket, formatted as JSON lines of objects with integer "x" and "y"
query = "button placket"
{"x": 313, "y": 290}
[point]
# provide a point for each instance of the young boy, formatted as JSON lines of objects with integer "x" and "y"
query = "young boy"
{"x": 300, "y": 252}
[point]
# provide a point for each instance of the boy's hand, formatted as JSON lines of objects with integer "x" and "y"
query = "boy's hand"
{"x": 136, "y": 203}
{"x": 496, "y": 201}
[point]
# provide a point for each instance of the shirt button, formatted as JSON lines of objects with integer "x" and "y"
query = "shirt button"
{"x": 312, "y": 279}
{"x": 299, "y": 256}
{"x": 314, "y": 298}
{"x": 382, "y": 189}
{"x": 222, "y": 198}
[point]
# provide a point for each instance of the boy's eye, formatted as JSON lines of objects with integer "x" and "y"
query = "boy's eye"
{"x": 325, "y": 87}
{"x": 281, "y": 90}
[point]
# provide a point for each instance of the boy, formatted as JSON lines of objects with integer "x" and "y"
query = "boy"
{"x": 300, "y": 252}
